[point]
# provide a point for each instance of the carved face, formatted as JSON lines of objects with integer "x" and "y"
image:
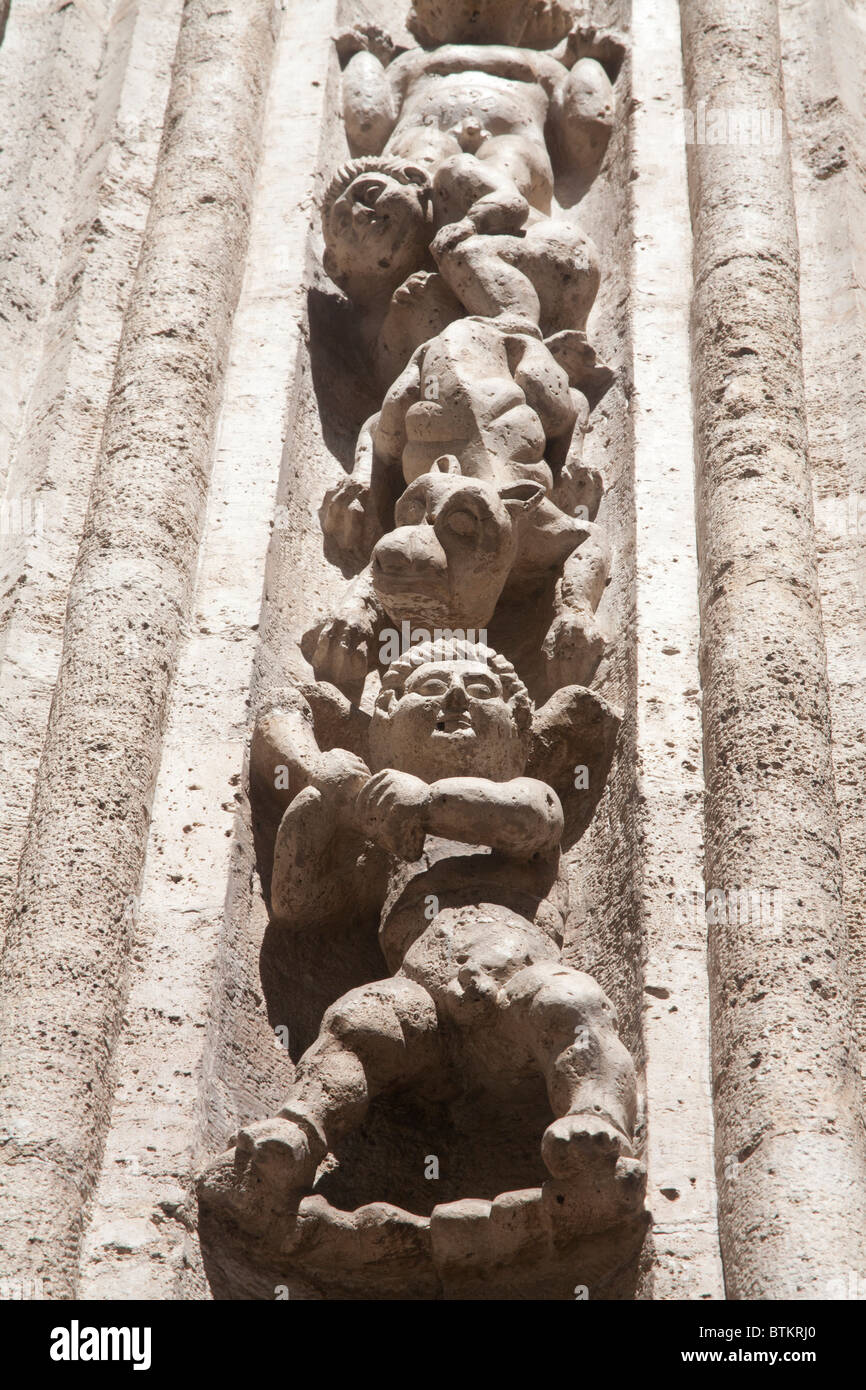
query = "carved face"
{"x": 455, "y": 541}
{"x": 377, "y": 231}
{"x": 451, "y": 720}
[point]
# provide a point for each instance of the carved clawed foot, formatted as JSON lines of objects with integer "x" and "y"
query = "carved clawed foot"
{"x": 261, "y": 1179}
{"x": 596, "y": 1181}
{"x": 278, "y": 1155}
{"x": 413, "y": 288}
{"x": 575, "y": 1146}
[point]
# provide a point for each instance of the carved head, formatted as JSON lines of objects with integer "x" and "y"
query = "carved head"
{"x": 452, "y": 709}
{"x": 376, "y": 223}
{"x": 455, "y": 542}
{"x": 530, "y": 23}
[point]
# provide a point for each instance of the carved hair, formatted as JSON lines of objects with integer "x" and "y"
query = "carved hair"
{"x": 403, "y": 170}
{"x": 446, "y": 649}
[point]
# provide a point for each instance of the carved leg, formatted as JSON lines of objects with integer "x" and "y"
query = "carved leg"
{"x": 370, "y": 1039}
{"x": 568, "y": 1024}
{"x": 575, "y": 644}
{"x": 482, "y": 280}
{"x": 464, "y": 185}
{"x": 563, "y": 265}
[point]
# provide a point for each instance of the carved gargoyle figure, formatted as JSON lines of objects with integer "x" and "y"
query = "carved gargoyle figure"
{"x": 479, "y": 990}
{"x": 460, "y": 547}
{"x": 378, "y": 219}
{"x": 495, "y": 399}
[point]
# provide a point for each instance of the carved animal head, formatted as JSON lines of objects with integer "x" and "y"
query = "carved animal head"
{"x": 455, "y": 542}
{"x": 451, "y": 709}
{"x": 376, "y": 224}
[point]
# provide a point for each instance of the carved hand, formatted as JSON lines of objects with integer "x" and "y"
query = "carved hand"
{"x": 450, "y": 236}
{"x": 340, "y": 776}
{"x": 573, "y": 648}
{"x": 347, "y": 519}
{"x": 392, "y": 808}
{"x": 343, "y": 654}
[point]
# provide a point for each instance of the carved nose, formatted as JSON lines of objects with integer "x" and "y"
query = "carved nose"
{"x": 391, "y": 559}
{"x": 455, "y": 700}
{"x": 406, "y": 549}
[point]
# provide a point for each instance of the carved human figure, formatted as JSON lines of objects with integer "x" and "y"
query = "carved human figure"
{"x": 484, "y": 119}
{"x": 479, "y": 984}
{"x": 379, "y": 216}
{"x": 485, "y": 388}
{"x": 496, "y": 400}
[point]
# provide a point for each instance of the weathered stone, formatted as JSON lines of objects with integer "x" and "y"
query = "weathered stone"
{"x": 366, "y": 370}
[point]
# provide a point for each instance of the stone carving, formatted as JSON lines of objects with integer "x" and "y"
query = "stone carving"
{"x": 459, "y": 544}
{"x": 481, "y": 117}
{"x": 408, "y": 281}
{"x": 441, "y": 394}
{"x": 479, "y": 994}
{"x": 535, "y": 23}
{"x": 443, "y": 811}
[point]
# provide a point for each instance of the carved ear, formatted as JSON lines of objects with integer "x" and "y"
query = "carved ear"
{"x": 329, "y": 263}
{"x": 413, "y": 173}
{"x": 447, "y": 463}
{"x": 522, "y": 498}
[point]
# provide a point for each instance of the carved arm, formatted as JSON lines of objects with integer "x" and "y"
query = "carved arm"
{"x": 522, "y": 817}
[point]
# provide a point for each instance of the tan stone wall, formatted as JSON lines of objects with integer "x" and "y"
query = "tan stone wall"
{"x": 173, "y": 406}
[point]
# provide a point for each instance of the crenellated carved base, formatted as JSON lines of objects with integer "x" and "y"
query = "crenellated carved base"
{"x": 534, "y": 1243}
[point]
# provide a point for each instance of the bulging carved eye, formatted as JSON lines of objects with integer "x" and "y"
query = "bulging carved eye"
{"x": 431, "y": 686}
{"x": 480, "y": 690}
{"x": 463, "y": 522}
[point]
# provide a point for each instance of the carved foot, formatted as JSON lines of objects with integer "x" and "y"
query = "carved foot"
{"x": 596, "y": 1183}
{"x": 348, "y": 520}
{"x": 575, "y": 1145}
{"x": 260, "y": 1181}
{"x": 278, "y": 1154}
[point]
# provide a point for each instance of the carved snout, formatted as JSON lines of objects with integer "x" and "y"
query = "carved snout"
{"x": 409, "y": 552}
{"x": 410, "y": 575}
{"x": 416, "y": 579}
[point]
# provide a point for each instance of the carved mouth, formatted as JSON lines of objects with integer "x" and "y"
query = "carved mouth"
{"x": 454, "y": 724}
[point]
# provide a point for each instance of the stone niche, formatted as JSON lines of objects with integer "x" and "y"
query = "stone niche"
{"x": 441, "y": 749}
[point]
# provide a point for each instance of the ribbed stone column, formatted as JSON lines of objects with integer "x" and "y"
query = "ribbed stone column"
{"x": 64, "y": 968}
{"x": 789, "y": 1139}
